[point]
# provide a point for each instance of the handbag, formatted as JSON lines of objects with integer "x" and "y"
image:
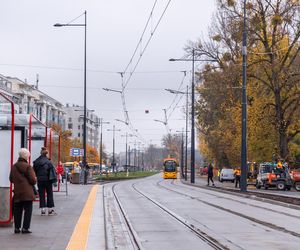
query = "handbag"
{"x": 52, "y": 174}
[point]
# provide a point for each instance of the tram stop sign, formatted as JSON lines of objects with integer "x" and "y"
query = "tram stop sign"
{"x": 76, "y": 152}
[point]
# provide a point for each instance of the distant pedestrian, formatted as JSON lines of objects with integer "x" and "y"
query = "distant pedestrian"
{"x": 24, "y": 179}
{"x": 60, "y": 171}
{"x": 45, "y": 172}
{"x": 210, "y": 174}
{"x": 237, "y": 174}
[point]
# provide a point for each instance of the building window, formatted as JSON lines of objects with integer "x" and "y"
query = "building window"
{"x": 70, "y": 119}
{"x": 70, "y": 126}
{"x": 78, "y": 126}
{"x": 78, "y": 134}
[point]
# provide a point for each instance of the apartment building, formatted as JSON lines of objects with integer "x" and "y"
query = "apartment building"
{"x": 74, "y": 122}
{"x": 28, "y": 99}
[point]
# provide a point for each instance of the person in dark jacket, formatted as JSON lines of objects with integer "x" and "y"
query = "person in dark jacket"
{"x": 23, "y": 178}
{"x": 43, "y": 167}
{"x": 210, "y": 174}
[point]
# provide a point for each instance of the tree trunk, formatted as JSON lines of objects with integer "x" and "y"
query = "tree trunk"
{"x": 283, "y": 144}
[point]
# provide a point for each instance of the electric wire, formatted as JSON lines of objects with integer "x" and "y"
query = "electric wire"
{"x": 144, "y": 49}
{"x": 90, "y": 70}
{"x": 124, "y": 85}
{"x": 75, "y": 18}
{"x": 141, "y": 38}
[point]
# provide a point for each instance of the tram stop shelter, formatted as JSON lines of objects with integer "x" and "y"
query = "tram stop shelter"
{"x": 18, "y": 131}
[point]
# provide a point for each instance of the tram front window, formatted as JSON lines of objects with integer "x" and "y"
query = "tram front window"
{"x": 170, "y": 166}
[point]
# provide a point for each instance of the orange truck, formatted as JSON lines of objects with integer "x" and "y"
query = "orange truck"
{"x": 295, "y": 175}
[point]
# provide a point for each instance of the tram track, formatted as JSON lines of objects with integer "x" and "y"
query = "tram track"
{"x": 252, "y": 219}
{"x": 136, "y": 243}
{"x": 202, "y": 235}
{"x": 240, "y": 202}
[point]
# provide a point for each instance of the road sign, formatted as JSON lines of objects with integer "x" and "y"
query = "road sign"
{"x": 76, "y": 152}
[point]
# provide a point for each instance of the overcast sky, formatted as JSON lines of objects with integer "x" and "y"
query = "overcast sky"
{"x": 30, "y": 45}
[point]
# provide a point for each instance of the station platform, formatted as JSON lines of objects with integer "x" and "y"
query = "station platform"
{"x": 79, "y": 223}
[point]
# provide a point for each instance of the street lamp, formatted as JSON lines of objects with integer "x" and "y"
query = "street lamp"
{"x": 84, "y": 94}
{"x": 118, "y": 120}
{"x": 126, "y": 151}
{"x": 112, "y": 90}
{"x": 101, "y": 149}
{"x": 163, "y": 122}
{"x": 193, "y": 109}
{"x": 244, "y": 109}
{"x": 113, "y": 161}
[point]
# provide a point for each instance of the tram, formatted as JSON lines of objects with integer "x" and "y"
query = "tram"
{"x": 170, "y": 168}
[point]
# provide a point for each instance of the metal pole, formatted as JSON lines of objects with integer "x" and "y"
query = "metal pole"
{"x": 100, "y": 146}
{"x": 84, "y": 105}
{"x": 129, "y": 156}
{"x": 181, "y": 158}
{"x": 193, "y": 123}
{"x": 244, "y": 109}
{"x": 186, "y": 131}
{"x": 126, "y": 155}
{"x": 113, "y": 161}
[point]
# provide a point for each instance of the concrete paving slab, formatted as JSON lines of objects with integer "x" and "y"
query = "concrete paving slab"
{"x": 49, "y": 232}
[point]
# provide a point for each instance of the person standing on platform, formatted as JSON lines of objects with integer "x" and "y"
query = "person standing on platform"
{"x": 24, "y": 179}
{"x": 43, "y": 168}
{"x": 210, "y": 174}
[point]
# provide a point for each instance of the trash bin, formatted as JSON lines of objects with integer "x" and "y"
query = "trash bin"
{"x": 75, "y": 178}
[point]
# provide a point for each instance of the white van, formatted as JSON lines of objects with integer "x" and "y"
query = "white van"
{"x": 227, "y": 174}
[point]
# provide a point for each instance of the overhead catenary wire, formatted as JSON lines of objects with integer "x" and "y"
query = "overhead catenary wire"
{"x": 141, "y": 38}
{"x": 124, "y": 85}
{"x": 147, "y": 43}
{"x": 178, "y": 89}
{"x": 89, "y": 70}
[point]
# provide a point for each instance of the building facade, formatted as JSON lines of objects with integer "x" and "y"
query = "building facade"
{"x": 28, "y": 99}
{"x": 74, "y": 122}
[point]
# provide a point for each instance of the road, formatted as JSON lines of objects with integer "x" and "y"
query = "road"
{"x": 153, "y": 213}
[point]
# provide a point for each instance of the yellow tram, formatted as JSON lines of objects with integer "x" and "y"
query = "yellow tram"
{"x": 170, "y": 168}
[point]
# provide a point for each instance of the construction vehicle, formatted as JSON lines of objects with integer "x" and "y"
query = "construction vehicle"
{"x": 272, "y": 175}
{"x": 295, "y": 175}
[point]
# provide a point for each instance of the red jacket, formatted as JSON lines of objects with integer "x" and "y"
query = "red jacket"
{"x": 59, "y": 169}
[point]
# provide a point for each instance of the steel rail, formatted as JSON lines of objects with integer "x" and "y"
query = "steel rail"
{"x": 238, "y": 201}
{"x": 264, "y": 223}
{"x": 203, "y": 236}
{"x": 134, "y": 238}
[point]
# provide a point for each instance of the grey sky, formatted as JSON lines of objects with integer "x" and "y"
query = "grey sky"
{"x": 114, "y": 27}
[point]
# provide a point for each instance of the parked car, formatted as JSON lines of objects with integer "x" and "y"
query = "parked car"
{"x": 227, "y": 174}
{"x": 203, "y": 170}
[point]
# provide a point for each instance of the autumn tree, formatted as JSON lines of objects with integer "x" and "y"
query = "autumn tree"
{"x": 273, "y": 78}
{"x": 65, "y": 143}
{"x": 172, "y": 143}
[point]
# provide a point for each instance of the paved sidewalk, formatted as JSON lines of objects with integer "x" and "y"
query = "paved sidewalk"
{"x": 50, "y": 232}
